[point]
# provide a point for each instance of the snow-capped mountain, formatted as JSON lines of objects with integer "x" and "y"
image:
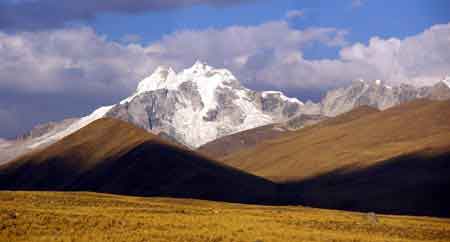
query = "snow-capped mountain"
{"x": 195, "y": 106}
{"x": 376, "y": 94}
{"x": 202, "y": 103}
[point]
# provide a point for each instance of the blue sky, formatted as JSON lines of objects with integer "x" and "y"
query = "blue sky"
{"x": 60, "y": 59}
{"x": 383, "y": 18}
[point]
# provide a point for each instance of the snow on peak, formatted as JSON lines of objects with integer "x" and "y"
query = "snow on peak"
{"x": 282, "y": 96}
{"x": 52, "y": 137}
{"x": 376, "y": 82}
{"x": 206, "y": 78}
{"x": 200, "y": 67}
{"x": 446, "y": 81}
{"x": 358, "y": 82}
{"x": 162, "y": 77}
{"x": 200, "y": 73}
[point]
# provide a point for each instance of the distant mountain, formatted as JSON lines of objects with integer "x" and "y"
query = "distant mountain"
{"x": 201, "y": 104}
{"x": 113, "y": 156}
{"x": 10, "y": 149}
{"x": 359, "y": 94}
{"x": 378, "y": 95}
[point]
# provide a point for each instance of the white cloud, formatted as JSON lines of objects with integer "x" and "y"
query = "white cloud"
{"x": 295, "y": 14}
{"x": 80, "y": 61}
{"x": 272, "y": 53}
{"x": 69, "y": 60}
{"x": 248, "y": 51}
{"x": 421, "y": 59}
{"x": 131, "y": 38}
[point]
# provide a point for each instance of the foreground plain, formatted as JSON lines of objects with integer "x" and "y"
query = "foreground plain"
{"x": 66, "y": 216}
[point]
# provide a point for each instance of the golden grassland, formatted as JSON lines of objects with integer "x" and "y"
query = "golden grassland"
{"x": 74, "y": 216}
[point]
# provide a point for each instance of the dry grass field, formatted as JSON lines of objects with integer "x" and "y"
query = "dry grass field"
{"x": 65, "y": 216}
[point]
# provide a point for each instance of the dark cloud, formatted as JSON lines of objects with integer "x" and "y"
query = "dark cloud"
{"x": 43, "y": 14}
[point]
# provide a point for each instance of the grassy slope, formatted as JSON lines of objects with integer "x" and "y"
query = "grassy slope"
{"x": 242, "y": 140}
{"x": 113, "y": 156}
{"x": 50, "y": 216}
{"x": 246, "y": 139}
{"x": 353, "y": 141}
{"x": 393, "y": 162}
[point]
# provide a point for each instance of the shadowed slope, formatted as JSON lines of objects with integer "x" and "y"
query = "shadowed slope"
{"x": 396, "y": 161}
{"x": 354, "y": 140}
{"x": 415, "y": 184}
{"x": 113, "y": 156}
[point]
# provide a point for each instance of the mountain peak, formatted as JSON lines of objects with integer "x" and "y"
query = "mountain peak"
{"x": 199, "y": 63}
{"x": 199, "y": 68}
{"x": 162, "y": 77}
{"x": 374, "y": 83}
{"x": 358, "y": 82}
{"x": 446, "y": 81}
{"x": 280, "y": 95}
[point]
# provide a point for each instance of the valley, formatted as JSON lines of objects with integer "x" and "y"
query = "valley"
{"x": 224, "y": 121}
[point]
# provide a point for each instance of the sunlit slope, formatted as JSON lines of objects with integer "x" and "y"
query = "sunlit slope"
{"x": 90, "y": 217}
{"x": 394, "y": 162}
{"x": 355, "y": 140}
{"x": 116, "y": 157}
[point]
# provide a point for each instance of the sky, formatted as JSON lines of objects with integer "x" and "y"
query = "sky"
{"x": 62, "y": 59}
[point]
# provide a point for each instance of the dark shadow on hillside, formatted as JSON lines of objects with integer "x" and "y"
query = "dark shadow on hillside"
{"x": 150, "y": 169}
{"x": 410, "y": 185}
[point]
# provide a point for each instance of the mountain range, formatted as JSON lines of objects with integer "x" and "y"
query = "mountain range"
{"x": 201, "y": 104}
{"x": 394, "y": 161}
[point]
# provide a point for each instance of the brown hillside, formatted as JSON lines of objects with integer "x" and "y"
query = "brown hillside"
{"x": 243, "y": 140}
{"x": 113, "y": 156}
{"x": 396, "y": 161}
{"x": 233, "y": 143}
{"x": 354, "y": 140}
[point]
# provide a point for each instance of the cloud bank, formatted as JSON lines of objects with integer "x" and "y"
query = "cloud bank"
{"x": 79, "y": 63}
{"x": 79, "y": 60}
